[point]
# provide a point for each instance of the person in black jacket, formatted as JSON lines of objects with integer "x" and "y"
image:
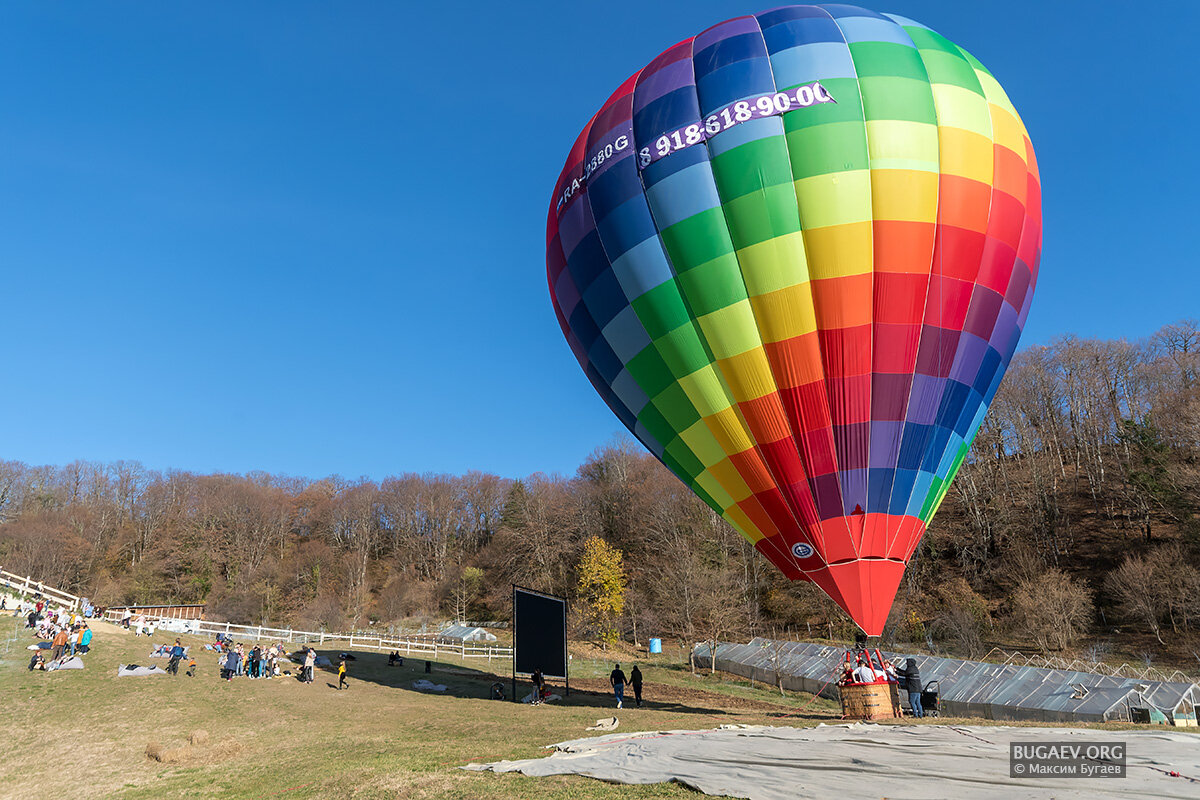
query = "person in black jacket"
{"x": 912, "y": 682}
{"x": 618, "y": 680}
{"x": 635, "y": 680}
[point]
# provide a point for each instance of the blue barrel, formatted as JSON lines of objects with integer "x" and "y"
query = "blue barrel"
{"x": 656, "y": 645}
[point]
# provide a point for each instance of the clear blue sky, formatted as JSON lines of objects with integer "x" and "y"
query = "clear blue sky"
{"x": 308, "y": 238}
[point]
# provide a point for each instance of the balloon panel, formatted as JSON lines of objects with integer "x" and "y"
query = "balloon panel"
{"x": 794, "y": 254}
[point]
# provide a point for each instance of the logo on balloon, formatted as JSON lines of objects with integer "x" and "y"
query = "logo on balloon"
{"x": 802, "y": 550}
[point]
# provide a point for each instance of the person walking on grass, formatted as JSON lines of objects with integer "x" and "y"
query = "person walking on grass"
{"x": 177, "y": 654}
{"x": 635, "y": 680}
{"x": 618, "y": 681}
{"x": 342, "y": 675}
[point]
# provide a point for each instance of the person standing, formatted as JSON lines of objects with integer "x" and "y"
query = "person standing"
{"x": 539, "y": 687}
{"x": 635, "y": 680}
{"x": 310, "y": 661}
{"x": 233, "y": 662}
{"x": 618, "y": 681}
{"x": 59, "y": 644}
{"x": 342, "y": 675}
{"x": 177, "y": 654}
{"x": 912, "y": 682}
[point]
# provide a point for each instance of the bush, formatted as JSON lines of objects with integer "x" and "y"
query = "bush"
{"x": 1053, "y": 609}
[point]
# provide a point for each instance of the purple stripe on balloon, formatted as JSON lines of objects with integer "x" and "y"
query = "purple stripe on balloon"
{"x": 726, "y": 30}
{"x": 827, "y": 491}
{"x": 566, "y": 293}
{"x": 1005, "y": 324}
{"x": 981, "y": 314}
{"x": 971, "y": 350}
{"x": 670, "y": 78}
{"x": 935, "y": 355}
{"x": 889, "y": 395}
{"x": 573, "y": 226}
{"x": 885, "y": 443}
{"x": 854, "y": 489}
{"x": 926, "y": 395}
{"x": 851, "y": 443}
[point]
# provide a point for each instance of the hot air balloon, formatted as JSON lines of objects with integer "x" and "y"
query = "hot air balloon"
{"x": 794, "y": 255}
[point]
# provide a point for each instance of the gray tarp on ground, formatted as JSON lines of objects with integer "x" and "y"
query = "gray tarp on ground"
{"x": 968, "y": 688}
{"x": 136, "y": 671}
{"x": 72, "y": 662}
{"x": 867, "y": 761}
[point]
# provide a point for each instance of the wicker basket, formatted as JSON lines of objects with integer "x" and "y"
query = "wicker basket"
{"x": 870, "y": 701}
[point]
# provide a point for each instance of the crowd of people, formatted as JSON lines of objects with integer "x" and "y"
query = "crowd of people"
{"x": 238, "y": 660}
{"x": 63, "y": 632}
{"x": 138, "y": 624}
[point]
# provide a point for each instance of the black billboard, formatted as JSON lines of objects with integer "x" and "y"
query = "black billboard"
{"x": 539, "y": 633}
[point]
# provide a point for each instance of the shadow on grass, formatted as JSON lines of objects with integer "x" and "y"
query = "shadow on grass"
{"x": 464, "y": 681}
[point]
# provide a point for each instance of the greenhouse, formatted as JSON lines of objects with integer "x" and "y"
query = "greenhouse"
{"x": 973, "y": 688}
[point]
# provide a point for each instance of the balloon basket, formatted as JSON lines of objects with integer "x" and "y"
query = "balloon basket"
{"x": 870, "y": 701}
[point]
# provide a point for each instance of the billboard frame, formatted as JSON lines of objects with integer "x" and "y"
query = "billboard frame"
{"x": 566, "y": 656}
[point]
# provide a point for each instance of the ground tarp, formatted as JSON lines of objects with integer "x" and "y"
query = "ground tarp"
{"x": 900, "y": 762}
{"x": 133, "y": 670}
{"x": 71, "y": 662}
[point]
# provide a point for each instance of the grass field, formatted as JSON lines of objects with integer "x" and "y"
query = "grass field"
{"x": 89, "y": 730}
{"x": 87, "y": 733}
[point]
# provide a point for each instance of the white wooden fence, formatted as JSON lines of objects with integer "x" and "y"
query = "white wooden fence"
{"x": 409, "y": 646}
{"x": 27, "y": 585}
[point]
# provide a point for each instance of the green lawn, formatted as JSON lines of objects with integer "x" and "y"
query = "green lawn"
{"x": 87, "y": 732}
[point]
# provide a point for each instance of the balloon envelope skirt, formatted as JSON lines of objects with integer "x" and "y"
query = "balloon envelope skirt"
{"x": 794, "y": 255}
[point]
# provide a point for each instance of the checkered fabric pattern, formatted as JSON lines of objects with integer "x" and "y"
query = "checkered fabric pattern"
{"x": 806, "y": 314}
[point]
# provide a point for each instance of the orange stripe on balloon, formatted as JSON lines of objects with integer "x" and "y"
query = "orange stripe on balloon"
{"x": 904, "y": 247}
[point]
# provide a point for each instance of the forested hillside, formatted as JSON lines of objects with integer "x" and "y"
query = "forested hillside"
{"x": 1074, "y": 523}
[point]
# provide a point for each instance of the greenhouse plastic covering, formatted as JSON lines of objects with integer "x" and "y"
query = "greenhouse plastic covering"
{"x": 969, "y": 688}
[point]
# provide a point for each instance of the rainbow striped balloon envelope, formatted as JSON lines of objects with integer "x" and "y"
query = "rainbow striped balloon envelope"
{"x": 794, "y": 255}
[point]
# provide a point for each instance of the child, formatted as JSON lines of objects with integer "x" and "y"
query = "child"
{"x": 342, "y": 675}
